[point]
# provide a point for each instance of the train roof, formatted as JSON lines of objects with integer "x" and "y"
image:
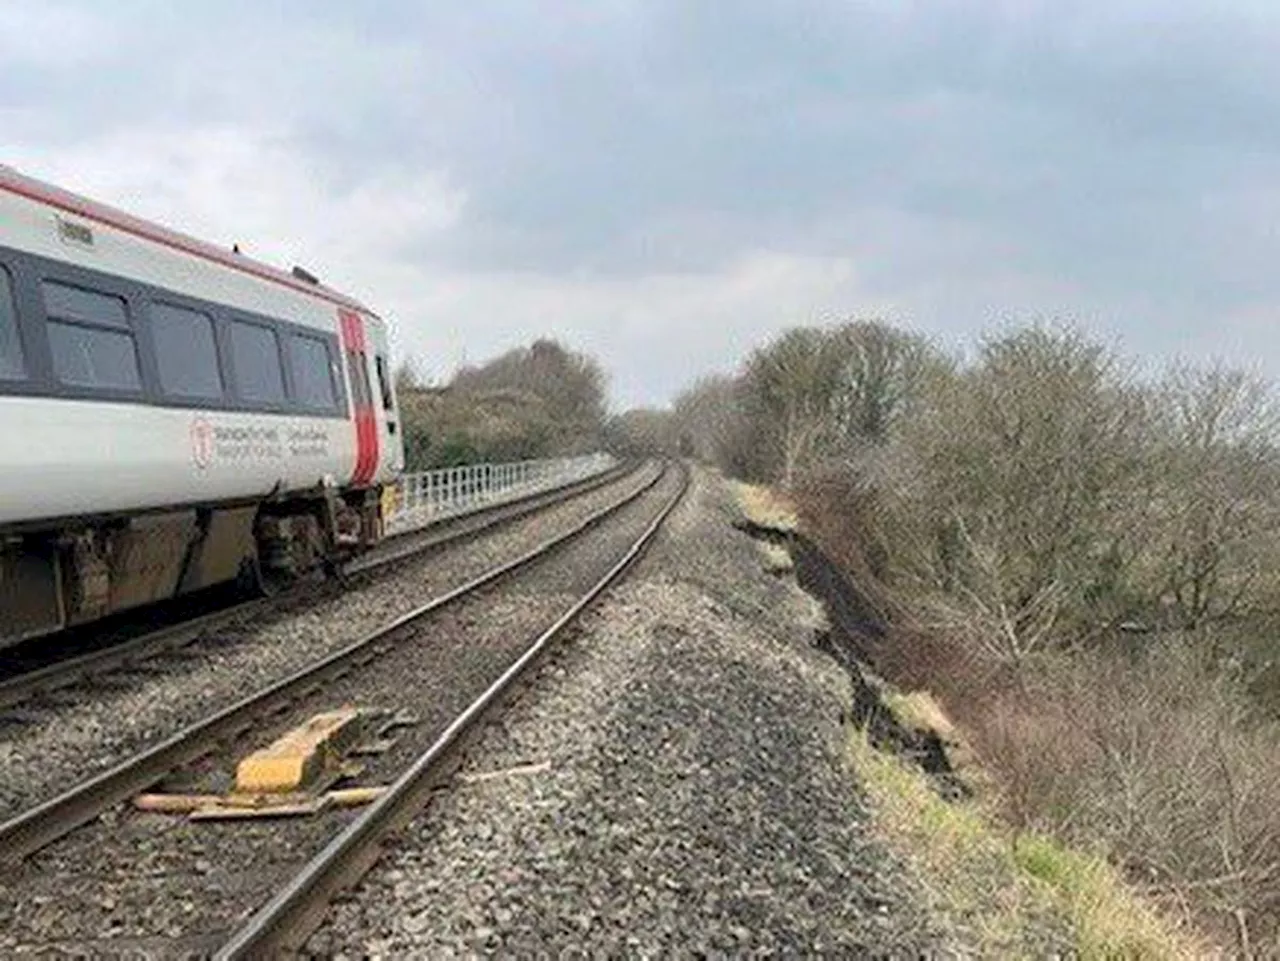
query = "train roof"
{"x": 15, "y": 183}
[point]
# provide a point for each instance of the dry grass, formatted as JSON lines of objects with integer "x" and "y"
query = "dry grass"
{"x": 776, "y": 559}
{"x": 765, "y": 507}
{"x": 921, "y": 710}
{"x": 1023, "y": 896}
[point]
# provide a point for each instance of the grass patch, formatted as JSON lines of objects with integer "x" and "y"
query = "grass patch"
{"x": 1107, "y": 918}
{"x": 776, "y": 559}
{"x": 918, "y": 709}
{"x": 1026, "y": 896}
{"x": 765, "y": 507}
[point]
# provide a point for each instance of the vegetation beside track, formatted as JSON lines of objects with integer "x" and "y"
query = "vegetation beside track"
{"x": 539, "y": 401}
{"x": 1077, "y": 561}
{"x": 1013, "y": 895}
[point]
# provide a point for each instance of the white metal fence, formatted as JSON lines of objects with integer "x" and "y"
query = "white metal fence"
{"x": 430, "y": 495}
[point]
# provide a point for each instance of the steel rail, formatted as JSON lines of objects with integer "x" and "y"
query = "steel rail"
{"x": 448, "y": 530}
{"x": 38, "y": 826}
{"x": 282, "y": 925}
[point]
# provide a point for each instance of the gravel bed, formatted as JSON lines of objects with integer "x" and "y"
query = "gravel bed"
{"x": 675, "y": 785}
{"x": 51, "y": 744}
{"x": 150, "y": 883}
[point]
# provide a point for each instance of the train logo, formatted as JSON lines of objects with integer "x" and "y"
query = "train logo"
{"x": 201, "y": 443}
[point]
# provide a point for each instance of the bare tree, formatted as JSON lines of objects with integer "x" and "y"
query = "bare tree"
{"x": 537, "y": 401}
{"x": 1028, "y": 458}
{"x": 570, "y": 387}
{"x": 790, "y": 384}
{"x": 642, "y": 432}
{"x": 1219, "y": 496}
{"x": 712, "y": 425}
{"x": 407, "y": 376}
{"x": 880, "y": 371}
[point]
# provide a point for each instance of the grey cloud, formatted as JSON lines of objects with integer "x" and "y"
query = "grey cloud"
{"x": 779, "y": 127}
{"x": 1110, "y": 156}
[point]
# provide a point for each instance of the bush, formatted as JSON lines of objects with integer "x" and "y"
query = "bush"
{"x": 540, "y": 401}
{"x": 1154, "y": 761}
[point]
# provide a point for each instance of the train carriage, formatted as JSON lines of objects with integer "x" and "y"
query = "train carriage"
{"x": 173, "y": 415}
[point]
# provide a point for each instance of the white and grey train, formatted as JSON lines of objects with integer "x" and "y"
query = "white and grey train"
{"x": 173, "y": 415}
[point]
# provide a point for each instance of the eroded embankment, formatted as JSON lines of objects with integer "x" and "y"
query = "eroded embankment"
{"x": 852, "y": 625}
{"x": 1001, "y": 891}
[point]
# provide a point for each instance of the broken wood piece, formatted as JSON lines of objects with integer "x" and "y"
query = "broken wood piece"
{"x": 354, "y": 796}
{"x": 227, "y": 812}
{"x": 522, "y": 769}
{"x": 213, "y": 807}
{"x": 174, "y": 803}
{"x": 299, "y": 756}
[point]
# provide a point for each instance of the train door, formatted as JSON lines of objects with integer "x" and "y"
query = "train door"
{"x": 355, "y": 349}
{"x": 385, "y": 401}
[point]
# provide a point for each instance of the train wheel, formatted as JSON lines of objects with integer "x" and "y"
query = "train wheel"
{"x": 252, "y": 579}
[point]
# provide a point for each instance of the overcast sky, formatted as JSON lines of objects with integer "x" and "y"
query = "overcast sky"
{"x": 665, "y": 183}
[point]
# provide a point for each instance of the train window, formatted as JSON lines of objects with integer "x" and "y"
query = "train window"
{"x": 89, "y": 338}
{"x": 11, "y": 366}
{"x": 82, "y": 306}
{"x": 256, "y": 355}
{"x": 312, "y": 372}
{"x": 185, "y": 352}
{"x": 384, "y": 383}
{"x": 360, "y": 395}
{"x": 93, "y": 356}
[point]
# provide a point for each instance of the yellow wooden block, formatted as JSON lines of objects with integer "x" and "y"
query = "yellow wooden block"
{"x": 297, "y": 756}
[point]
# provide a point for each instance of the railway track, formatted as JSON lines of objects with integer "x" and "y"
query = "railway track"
{"x": 53, "y": 672}
{"x": 53, "y": 742}
{"x": 486, "y": 633}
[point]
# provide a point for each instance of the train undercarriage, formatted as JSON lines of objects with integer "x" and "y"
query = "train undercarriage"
{"x": 80, "y": 571}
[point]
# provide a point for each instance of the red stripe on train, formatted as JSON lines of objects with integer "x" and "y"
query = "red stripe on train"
{"x": 355, "y": 346}
{"x": 371, "y": 422}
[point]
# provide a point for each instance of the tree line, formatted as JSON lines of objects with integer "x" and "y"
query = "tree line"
{"x": 543, "y": 400}
{"x": 1041, "y": 484}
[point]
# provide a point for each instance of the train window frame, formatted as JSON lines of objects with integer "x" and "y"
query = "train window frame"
{"x": 384, "y": 383}
{"x": 69, "y": 312}
{"x": 210, "y": 362}
{"x": 295, "y": 339}
{"x": 236, "y": 323}
{"x": 27, "y": 271}
{"x": 103, "y": 355}
{"x": 63, "y": 322}
{"x": 13, "y": 358}
{"x": 361, "y": 390}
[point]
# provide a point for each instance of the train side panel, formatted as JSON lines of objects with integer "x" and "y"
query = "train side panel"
{"x": 64, "y": 458}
